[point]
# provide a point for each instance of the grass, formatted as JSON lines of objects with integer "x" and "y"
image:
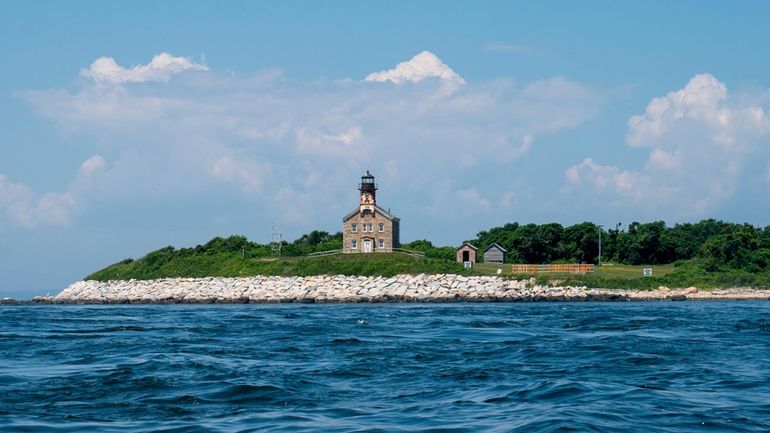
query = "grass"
{"x": 187, "y": 263}
{"x": 611, "y": 270}
{"x": 608, "y": 275}
{"x": 234, "y": 265}
{"x": 618, "y": 276}
{"x": 606, "y": 270}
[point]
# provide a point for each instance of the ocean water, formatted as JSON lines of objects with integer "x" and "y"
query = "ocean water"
{"x": 540, "y": 367}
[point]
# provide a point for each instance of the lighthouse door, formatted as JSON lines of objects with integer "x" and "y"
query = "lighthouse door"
{"x": 367, "y": 245}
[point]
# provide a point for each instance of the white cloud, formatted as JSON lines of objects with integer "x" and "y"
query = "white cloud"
{"x": 422, "y": 66}
{"x": 16, "y": 198}
{"x": 509, "y": 199}
{"x": 660, "y": 159}
{"x": 700, "y": 137}
{"x": 247, "y": 174}
{"x": 472, "y": 201}
{"x": 111, "y": 106}
{"x": 604, "y": 178}
{"x": 703, "y": 101}
{"x": 563, "y": 102}
{"x": 161, "y": 68}
{"x": 54, "y": 209}
{"x": 345, "y": 144}
{"x": 255, "y": 137}
{"x": 507, "y": 149}
{"x": 294, "y": 205}
{"x": 92, "y": 164}
{"x": 31, "y": 210}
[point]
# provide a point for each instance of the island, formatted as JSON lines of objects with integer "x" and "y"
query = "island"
{"x": 711, "y": 260}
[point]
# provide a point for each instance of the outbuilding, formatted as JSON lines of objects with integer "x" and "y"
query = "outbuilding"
{"x": 494, "y": 253}
{"x": 466, "y": 253}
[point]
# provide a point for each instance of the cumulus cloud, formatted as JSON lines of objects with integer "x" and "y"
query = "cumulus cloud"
{"x": 294, "y": 205}
{"x": 345, "y": 144}
{"x": 604, "y": 178}
{"x": 15, "y": 197}
{"x": 508, "y": 150}
{"x": 662, "y": 160}
{"x": 92, "y": 165}
{"x": 52, "y": 208}
{"x": 310, "y": 138}
{"x": 471, "y": 200}
{"x": 703, "y": 101}
{"x": 31, "y": 210}
{"x": 700, "y": 137}
{"x": 161, "y": 68}
{"x": 248, "y": 174}
{"x": 422, "y": 66}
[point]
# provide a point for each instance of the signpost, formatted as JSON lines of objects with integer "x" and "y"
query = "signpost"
{"x": 647, "y": 272}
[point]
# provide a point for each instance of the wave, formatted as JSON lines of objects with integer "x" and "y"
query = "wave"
{"x": 531, "y": 367}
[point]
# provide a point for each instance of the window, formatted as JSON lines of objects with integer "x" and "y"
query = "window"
{"x": 382, "y": 227}
{"x": 354, "y": 244}
{"x": 382, "y": 242}
{"x": 369, "y": 228}
{"x": 353, "y": 229}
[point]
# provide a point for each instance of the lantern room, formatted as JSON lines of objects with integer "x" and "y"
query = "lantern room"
{"x": 367, "y": 184}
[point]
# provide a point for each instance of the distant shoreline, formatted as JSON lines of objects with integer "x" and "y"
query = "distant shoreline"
{"x": 422, "y": 288}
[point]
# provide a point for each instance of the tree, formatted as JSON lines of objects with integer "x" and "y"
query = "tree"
{"x": 582, "y": 242}
{"x": 551, "y": 235}
{"x": 735, "y": 248}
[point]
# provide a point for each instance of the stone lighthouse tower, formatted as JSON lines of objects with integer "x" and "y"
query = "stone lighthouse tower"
{"x": 368, "y": 190}
{"x": 369, "y": 228}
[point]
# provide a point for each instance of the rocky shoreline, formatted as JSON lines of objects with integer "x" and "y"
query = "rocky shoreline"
{"x": 352, "y": 289}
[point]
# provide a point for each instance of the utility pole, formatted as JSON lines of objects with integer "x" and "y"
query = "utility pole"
{"x": 600, "y": 244}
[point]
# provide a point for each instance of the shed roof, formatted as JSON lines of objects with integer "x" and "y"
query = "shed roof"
{"x": 466, "y": 244}
{"x": 495, "y": 245}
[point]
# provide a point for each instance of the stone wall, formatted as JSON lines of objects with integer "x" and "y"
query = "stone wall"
{"x": 389, "y": 233}
{"x": 325, "y": 288}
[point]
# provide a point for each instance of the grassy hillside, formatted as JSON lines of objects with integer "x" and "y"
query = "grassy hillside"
{"x": 235, "y": 256}
{"x": 616, "y": 276}
{"x": 169, "y": 263}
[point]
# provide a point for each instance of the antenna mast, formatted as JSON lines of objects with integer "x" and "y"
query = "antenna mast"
{"x": 277, "y": 241}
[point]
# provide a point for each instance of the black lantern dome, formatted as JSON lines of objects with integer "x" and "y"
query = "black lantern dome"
{"x": 368, "y": 188}
{"x": 367, "y": 183}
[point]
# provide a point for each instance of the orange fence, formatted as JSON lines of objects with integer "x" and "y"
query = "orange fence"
{"x": 566, "y": 268}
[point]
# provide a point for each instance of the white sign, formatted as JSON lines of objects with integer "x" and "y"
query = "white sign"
{"x": 468, "y": 265}
{"x": 647, "y": 272}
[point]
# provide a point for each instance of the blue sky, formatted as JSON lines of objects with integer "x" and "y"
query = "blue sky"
{"x": 128, "y": 126}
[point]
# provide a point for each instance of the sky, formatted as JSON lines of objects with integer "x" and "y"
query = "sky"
{"x": 129, "y": 126}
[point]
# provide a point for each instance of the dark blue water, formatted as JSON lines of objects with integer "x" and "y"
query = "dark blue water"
{"x": 633, "y": 367}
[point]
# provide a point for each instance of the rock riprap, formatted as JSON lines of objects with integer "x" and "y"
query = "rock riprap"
{"x": 340, "y": 288}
